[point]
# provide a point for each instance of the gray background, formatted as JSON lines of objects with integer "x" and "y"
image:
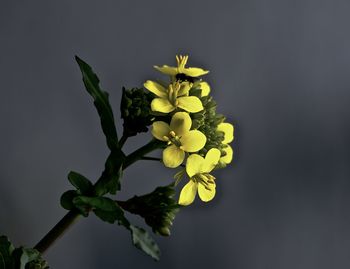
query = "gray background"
{"x": 279, "y": 71}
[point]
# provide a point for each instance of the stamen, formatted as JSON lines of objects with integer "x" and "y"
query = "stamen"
{"x": 185, "y": 60}
{"x": 210, "y": 181}
{"x": 207, "y": 188}
{"x": 178, "y": 60}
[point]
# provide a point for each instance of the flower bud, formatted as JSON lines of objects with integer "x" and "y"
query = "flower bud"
{"x": 135, "y": 111}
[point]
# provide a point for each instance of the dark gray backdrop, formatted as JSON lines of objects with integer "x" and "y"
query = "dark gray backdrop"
{"x": 279, "y": 71}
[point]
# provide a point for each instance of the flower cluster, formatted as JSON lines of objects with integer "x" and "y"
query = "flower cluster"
{"x": 197, "y": 137}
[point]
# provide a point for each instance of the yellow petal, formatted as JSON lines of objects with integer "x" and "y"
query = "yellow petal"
{"x": 205, "y": 88}
{"x": 184, "y": 89}
{"x": 211, "y": 159}
{"x": 180, "y": 123}
{"x": 155, "y": 88}
{"x": 206, "y": 195}
{"x": 173, "y": 156}
{"x": 168, "y": 70}
{"x": 229, "y": 155}
{"x": 195, "y": 72}
{"x": 160, "y": 129}
{"x": 193, "y": 141}
{"x": 188, "y": 193}
{"x": 194, "y": 164}
{"x": 227, "y": 129}
{"x": 190, "y": 103}
{"x": 161, "y": 105}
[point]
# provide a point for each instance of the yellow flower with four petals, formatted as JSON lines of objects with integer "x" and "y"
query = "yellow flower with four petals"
{"x": 176, "y": 96}
{"x": 201, "y": 181}
{"x": 178, "y": 134}
{"x": 180, "y": 138}
{"x": 181, "y": 68}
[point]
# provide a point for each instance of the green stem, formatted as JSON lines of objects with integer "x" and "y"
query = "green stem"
{"x": 122, "y": 140}
{"x": 72, "y": 216}
{"x": 146, "y": 158}
{"x": 141, "y": 152}
{"x": 57, "y": 231}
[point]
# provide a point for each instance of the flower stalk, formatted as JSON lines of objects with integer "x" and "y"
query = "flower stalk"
{"x": 184, "y": 124}
{"x": 73, "y": 215}
{"x": 57, "y": 231}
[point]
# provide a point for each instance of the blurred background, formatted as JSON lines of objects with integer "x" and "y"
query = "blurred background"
{"x": 279, "y": 72}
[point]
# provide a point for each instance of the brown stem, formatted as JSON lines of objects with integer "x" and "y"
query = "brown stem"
{"x": 57, "y": 231}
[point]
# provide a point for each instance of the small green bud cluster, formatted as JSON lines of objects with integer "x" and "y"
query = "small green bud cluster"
{"x": 135, "y": 111}
{"x": 158, "y": 208}
{"x": 207, "y": 121}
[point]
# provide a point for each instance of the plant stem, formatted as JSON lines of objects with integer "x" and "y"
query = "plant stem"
{"x": 151, "y": 158}
{"x": 57, "y": 231}
{"x": 139, "y": 153}
{"x": 72, "y": 216}
{"x": 122, "y": 140}
{"x": 146, "y": 158}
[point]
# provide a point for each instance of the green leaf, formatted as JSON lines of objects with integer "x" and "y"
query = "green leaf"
{"x": 82, "y": 207}
{"x": 107, "y": 210}
{"x": 83, "y": 185}
{"x": 67, "y": 199}
{"x": 140, "y": 238}
{"x": 28, "y": 258}
{"x": 109, "y": 181}
{"x": 6, "y": 249}
{"x": 104, "y": 208}
{"x": 101, "y": 102}
{"x": 143, "y": 241}
{"x": 19, "y": 258}
{"x": 108, "y": 216}
{"x": 101, "y": 203}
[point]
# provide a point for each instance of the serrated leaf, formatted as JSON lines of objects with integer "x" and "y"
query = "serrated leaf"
{"x": 109, "y": 181}
{"x": 143, "y": 241}
{"x": 67, "y": 199}
{"x": 101, "y": 102}
{"x": 83, "y": 185}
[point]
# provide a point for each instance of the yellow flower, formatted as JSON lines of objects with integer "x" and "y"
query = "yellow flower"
{"x": 179, "y": 137}
{"x": 228, "y": 130}
{"x": 204, "y": 86}
{"x": 229, "y": 155}
{"x": 198, "y": 169}
{"x": 181, "y": 69}
{"x": 176, "y": 96}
